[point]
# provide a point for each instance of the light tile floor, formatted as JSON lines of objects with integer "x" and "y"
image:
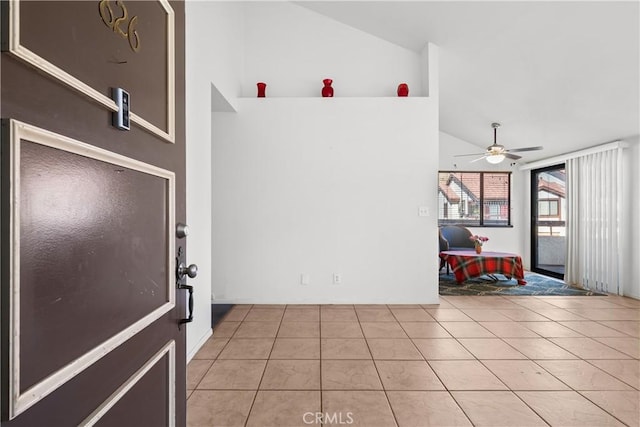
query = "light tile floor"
{"x": 483, "y": 361}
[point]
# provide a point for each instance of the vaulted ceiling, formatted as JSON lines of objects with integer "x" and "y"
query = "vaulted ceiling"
{"x": 564, "y": 75}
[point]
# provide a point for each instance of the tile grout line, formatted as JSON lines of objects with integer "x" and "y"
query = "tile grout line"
{"x": 203, "y": 375}
{"x": 635, "y": 387}
{"x": 375, "y": 366}
{"x": 213, "y": 361}
{"x": 486, "y": 367}
{"x": 599, "y": 322}
{"x": 529, "y": 406}
{"x": 527, "y": 358}
{"x": 320, "y": 356}
{"x": 446, "y": 388}
{"x": 475, "y": 357}
{"x": 613, "y": 348}
{"x": 255, "y": 396}
{"x": 603, "y": 409}
{"x": 459, "y": 405}
{"x": 438, "y": 376}
{"x": 571, "y": 389}
{"x": 508, "y": 388}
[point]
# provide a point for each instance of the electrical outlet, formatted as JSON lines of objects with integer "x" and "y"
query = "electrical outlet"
{"x": 423, "y": 211}
{"x": 337, "y": 278}
{"x": 304, "y": 279}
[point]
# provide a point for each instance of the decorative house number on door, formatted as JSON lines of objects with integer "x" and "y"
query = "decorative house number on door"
{"x": 110, "y": 20}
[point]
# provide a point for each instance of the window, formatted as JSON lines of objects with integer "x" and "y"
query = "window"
{"x": 549, "y": 208}
{"x": 480, "y": 199}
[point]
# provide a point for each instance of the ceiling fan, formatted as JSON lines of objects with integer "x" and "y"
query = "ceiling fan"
{"x": 496, "y": 153}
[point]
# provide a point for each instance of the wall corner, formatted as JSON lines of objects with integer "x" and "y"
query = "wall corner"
{"x": 429, "y": 64}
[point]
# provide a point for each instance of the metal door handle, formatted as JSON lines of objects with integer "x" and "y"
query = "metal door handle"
{"x": 182, "y": 271}
{"x": 190, "y": 318}
{"x": 191, "y": 271}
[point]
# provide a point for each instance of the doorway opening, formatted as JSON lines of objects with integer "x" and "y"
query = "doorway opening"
{"x": 548, "y": 220}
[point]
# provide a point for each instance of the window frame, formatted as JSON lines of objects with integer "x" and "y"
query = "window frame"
{"x": 557, "y": 202}
{"x": 481, "y": 221}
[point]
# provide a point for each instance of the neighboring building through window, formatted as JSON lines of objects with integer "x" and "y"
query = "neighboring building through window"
{"x": 551, "y": 203}
{"x": 474, "y": 199}
{"x": 549, "y": 208}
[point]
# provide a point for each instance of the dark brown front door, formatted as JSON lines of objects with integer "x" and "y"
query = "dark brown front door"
{"x": 90, "y": 312}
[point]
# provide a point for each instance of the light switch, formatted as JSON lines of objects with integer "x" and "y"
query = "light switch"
{"x": 304, "y": 279}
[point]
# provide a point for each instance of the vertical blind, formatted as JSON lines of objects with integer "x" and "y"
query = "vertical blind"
{"x": 594, "y": 184}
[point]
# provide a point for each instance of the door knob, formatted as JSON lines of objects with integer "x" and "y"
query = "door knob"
{"x": 191, "y": 271}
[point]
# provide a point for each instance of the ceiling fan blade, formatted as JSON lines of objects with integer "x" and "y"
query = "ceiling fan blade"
{"x": 515, "y": 150}
{"x": 512, "y": 156}
{"x": 479, "y": 158}
{"x": 465, "y": 155}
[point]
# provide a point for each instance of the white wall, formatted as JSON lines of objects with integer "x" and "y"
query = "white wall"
{"x": 231, "y": 46}
{"x": 308, "y": 185}
{"x": 293, "y": 49}
{"x": 215, "y": 49}
{"x": 508, "y": 239}
{"x": 213, "y": 64}
{"x": 631, "y": 229}
{"x": 321, "y": 186}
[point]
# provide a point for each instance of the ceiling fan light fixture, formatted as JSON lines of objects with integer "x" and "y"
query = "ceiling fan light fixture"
{"x": 494, "y": 159}
{"x": 496, "y": 153}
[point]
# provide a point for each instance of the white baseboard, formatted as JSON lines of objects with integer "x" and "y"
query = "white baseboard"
{"x": 324, "y": 301}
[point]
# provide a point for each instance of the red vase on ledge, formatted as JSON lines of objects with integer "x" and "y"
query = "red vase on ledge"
{"x": 403, "y": 90}
{"x": 261, "y": 89}
{"x": 327, "y": 90}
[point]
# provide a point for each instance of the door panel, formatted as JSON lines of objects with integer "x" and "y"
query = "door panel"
{"x": 89, "y": 295}
{"x": 43, "y": 27}
{"x": 104, "y": 218}
{"x": 77, "y": 399}
{"x": 152, "y": 383}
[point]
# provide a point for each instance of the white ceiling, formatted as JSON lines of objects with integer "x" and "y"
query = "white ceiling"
{"x": 564, "y": 75}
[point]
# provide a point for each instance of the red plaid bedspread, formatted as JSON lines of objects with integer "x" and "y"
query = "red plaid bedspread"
{"x": 468, "y": 264}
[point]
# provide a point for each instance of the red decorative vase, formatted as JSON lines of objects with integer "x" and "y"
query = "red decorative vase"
{"x": 403, "y": 89}
{"x": 261, "y": 89}
{"x": 327, "y": 90}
